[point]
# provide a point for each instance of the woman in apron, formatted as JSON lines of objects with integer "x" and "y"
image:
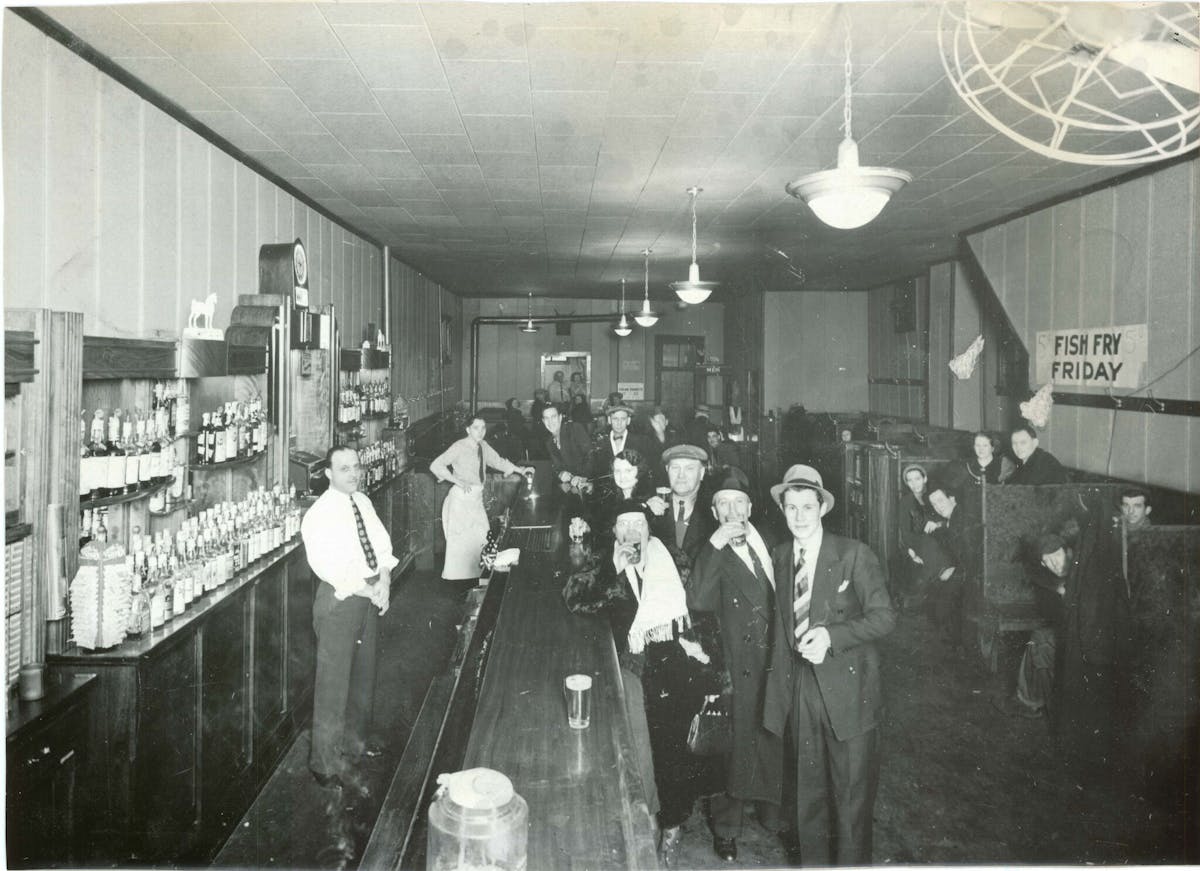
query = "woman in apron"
{"x": 464, "y": 520}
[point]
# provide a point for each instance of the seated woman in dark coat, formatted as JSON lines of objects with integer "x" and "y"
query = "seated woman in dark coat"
{"x": 630, "y": 479}
{"x": 666, "y": 666}
{"x": 581, "y": 412}
{"x": 986, "y": 467}
{"x": 918, "y": 522}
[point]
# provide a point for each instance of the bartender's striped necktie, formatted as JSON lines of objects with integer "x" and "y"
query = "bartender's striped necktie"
{"x": 801, "y": 602}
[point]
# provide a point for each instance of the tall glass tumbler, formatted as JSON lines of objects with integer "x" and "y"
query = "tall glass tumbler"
{"x": 578, "y": 691}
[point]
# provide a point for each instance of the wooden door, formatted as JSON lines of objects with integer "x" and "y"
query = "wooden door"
{"x": 677, "y": 387}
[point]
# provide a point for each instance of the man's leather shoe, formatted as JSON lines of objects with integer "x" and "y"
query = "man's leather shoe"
{"x": 725, "y": 848}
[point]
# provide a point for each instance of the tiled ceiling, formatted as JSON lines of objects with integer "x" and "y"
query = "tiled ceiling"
{"x": 504, "y": 148}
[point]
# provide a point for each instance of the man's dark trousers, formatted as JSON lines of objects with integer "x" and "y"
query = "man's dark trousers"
{"x": 347, "y": 633}
{"x": 831, "y": 775}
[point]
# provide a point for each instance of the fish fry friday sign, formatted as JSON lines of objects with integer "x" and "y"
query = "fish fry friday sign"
{"x": 1095, "y": 357}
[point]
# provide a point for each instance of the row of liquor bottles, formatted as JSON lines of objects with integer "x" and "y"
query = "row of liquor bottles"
{"x": 234, "y": 430}
{"x": 126, "y": 451}
{"x": 169, "y": 573}
{"x": 379, "y": 461}
{"x": 358, "y": 398}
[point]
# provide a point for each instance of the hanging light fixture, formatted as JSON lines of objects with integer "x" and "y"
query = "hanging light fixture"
{"x": 851, "y": 195}
{"x": 646, "y": 317}
{"x": 693, "y": 291}
{"x": 530, "y": 326}
{"x": 622, "y": 328}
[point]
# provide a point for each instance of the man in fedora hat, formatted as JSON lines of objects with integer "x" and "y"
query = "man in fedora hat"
{"x": 617, "y": 439}
{"x": 681, "y": 520}
{"x": 823, "y": 684}
{"x": 696, "y": 429}
{"x": 733, "y": 577}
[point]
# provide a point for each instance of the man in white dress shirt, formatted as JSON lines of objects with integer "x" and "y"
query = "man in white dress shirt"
{"x": 351, "y": 553}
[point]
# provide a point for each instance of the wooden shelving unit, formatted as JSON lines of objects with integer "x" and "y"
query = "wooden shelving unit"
{"x": 226, "y": 464}
{"x": 124, "y": 498}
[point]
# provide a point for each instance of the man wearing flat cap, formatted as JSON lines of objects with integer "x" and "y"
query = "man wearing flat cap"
{"x": 617, "y": 439}
{"x": 734, "y": 577}
{"x": 681, "y": 520}
{"x": 831, "y": 606}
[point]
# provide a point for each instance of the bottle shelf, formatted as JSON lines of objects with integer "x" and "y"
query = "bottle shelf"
{"x": 350, "y": 424}
{"x": 225, "y": 464}
{"x": 178, "y": 506}
{"x": 376, "y": 415}
{"x": 107, "y": 501}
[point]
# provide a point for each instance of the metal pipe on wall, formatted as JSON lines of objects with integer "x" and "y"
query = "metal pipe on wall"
{"x": 513, "y": 319}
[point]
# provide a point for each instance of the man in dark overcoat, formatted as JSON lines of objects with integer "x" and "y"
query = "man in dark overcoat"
{"x": 824, "y": 685}
{"x": 733, "y": 577}
{"x": 683, "y": 521}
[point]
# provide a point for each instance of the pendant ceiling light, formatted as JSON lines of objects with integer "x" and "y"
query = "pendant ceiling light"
{"x": 646, "y": 317}
{"x": 622, "y": 328}
{"x": 530, "y": 326}
{"x": 693, "y": 291}
{"x": 851, "y": 195}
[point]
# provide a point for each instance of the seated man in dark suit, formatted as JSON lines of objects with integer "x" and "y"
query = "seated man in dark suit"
{"x": 567, "y": 444}
{"x": 1036, "y": 466}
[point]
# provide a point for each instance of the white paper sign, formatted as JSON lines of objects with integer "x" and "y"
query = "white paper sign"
{"x": 632, "y": 390}
{"x": 1095, "y": 357}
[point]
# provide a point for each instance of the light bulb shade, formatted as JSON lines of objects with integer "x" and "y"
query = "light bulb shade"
{"x": 693, "y": 291}
{"x": 851, "y": 195}
{"x": 530, "y": 327}
{"x": 646, "y": 317}
{"x": 622, "y": 328}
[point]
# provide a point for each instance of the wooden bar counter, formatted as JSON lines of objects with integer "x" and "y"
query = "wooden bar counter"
{"x": 587, "y": 804}
{"x": 499, "y": 704}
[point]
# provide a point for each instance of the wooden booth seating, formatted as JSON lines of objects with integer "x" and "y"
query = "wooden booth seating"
{"x": 1161, "y": 686}
{"x": 1000, "y": 597}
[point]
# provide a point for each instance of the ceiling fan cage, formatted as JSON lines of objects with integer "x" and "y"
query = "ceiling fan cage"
{"x": 1072, "y": 98}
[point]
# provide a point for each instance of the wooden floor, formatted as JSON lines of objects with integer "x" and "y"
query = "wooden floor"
{"x": 960, "y": 784}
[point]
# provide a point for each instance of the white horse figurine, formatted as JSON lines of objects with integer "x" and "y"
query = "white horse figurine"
{"x": 204, "y": 310}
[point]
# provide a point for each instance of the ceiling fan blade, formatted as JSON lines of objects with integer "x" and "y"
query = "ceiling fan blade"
{"x": 1168, "y": 62}
{"x": 1099, "y": 24}
{"x": 1008, "y": 14}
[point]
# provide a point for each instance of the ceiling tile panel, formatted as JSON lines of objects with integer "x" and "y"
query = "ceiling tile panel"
{"x": 326, "y": 85}
{"x": 632, "y": 133}
{"x": 368, "y": 196}
{"x": 394, "y": 57}
{"x": 500, "y": 133}
{"x": 748, "y": 60}
{"x": 479, "y": 31}
{"x": 370, "y": 132}
{"x": 650, "y": 88}
{"x": 425, "y": 208}
{"x": 234, "y": 127}
{"x": 343, "y": 177}
{"x": 411, "y": 188}
{"x": 508, "y": 166}
{"x": 281, "y": 163}
{"x": 567, "y": 177}
{"x": 314, "y": 148}
{"x": 568, "y": 113}
{"x": 169, "y": 13}
{"x": 705, "y": 111}
{"x": 514, "y": 191}
{"x": 373, "y": 14}
{"x": 490, "y": 87}
{"x": 175, "y": 82}
{"x": 313, "y": 187}
{"x": 804, "y": 89}
{"x": 449, "y": 177}
{"x": 421, "y": 111}
{"x": 566, "y": 199}
{"x": 665, "y": 32}
{"x": 440, "y": 149}
{"x": 899, "y": 133}
{"x": 937, "y": 149}
{"x": 272, "y": 110}
{"x": 570, "y": 59}
{"x": 558, "y": 150}
{"x": 911, "y": 66}
{"x": 303, "y": 33}
{"x": 397, "y": 164}
{"x": 234, "y": 69}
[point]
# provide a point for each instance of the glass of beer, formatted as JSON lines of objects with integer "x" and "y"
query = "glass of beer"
{"x": 578, "y": 691}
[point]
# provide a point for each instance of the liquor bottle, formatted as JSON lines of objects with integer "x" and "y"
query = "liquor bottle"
{"x": 218, "y": 429}
{"x": 98, "y": 476}
{"x": 202, "y": 441}
{"x": 158, "y": 458}
{"x": 231, "y": 430}
{"x": 100, "y": 534}
{"x": 128, "y": 445}
{"x": 182, "y": 405}
{"x": 259, "y": 437}
{"x": 144, "y": 455}
{"x": 85, "y": 527}
{"x": 115, "y": 478}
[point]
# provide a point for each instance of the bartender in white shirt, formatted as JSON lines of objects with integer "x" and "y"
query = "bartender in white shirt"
{"x": 351, "y": 552}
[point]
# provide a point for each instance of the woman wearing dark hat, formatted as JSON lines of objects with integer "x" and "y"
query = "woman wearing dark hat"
{"x": 734, "y": 577}
{"x": 667, "y": 672}
{"x": 464, "y": 520}
{"x": 918, "y": 521}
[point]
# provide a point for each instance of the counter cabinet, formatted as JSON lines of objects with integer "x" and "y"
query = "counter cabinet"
{"x": 186, "y": 725}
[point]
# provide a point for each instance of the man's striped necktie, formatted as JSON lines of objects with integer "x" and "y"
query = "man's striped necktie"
{"x": 801, "y": 601}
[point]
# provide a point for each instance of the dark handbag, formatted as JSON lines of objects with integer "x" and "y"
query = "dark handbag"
{"x": 711, "y": 732}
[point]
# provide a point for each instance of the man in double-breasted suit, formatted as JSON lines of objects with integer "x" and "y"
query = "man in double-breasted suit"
{"x": 567, "y": 445}
{"x": 682, "y": 521}
{"x": 823, "y": 684}
{"x": 733, "y": 577}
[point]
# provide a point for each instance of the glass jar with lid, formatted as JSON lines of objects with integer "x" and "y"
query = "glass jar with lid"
{"x": 477, "y": 822}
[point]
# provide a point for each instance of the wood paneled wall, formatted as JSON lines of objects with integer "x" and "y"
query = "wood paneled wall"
{"x": 1126, "y": 254}
{"x": 815, "y": 348}
{"x": 902, "y": 356}
{"x": 744, "y": 348}
{"x": 421, "y": 372}
{"x": 510, "y": 361}
{"x": 942, "y": 342}
{"x": 116, "y": 210}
